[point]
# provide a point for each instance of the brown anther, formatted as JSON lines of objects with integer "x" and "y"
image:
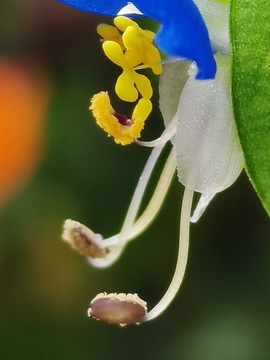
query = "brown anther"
{"x": 120, "y": 309}
{"x": 83, "y": 240}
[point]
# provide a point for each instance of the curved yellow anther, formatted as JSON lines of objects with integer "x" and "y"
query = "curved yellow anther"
{"x": 142, "y": 110}
{"x": 109, "y": 32}
{"x": 129, "y": 83}
{"x": 138, "y": 43}
{"x": 113, "y": 51}
{"x": 110, "y": 121}
{"x": 140, "y": 49}
{"x": 122, "y": 22}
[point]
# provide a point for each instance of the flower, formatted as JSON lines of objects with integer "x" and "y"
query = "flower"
{"x": 183, "y": 32}
{"x": 199, "y": 123}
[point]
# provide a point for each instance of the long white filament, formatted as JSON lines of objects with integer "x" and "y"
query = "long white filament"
{"x": 181, "y": 261}
{"x": 158, "y": 197}
{"x": 167, "y": 135}
{"x": 154, "y": 204}
{"x": 132, "y": 211}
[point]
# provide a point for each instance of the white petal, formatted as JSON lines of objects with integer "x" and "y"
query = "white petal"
{"x": 201, "y": 206}
{"x": 172, "y": 80}
{"x": 209, "y": 156}
{"x": 216, "y": 17}
{"x": 129, "y": 9}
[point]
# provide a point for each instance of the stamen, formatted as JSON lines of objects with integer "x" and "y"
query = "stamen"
{"x": 83, "y": 240}
{"x": 139, "y": 45}
{"x": 123, "y": 130}
{"x": 109, "y": 32}
{"x": 129, "y": 83}
{"x": 120, "y": 309}
{"x": 124, "y": 309}
{"x": 142, "y": 222}
{"x": 132, "y": 48}
{"x": 181, "y": 261}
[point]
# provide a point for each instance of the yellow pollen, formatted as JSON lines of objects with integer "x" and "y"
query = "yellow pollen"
{"x": 109, "y": 121}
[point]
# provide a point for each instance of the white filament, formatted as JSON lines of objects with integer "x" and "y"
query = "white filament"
{"x": 181, "y": 260}
{"x": 167, "y": 135}
{"x": 154, "y": 204}
{"x": 132, "y": 211}
{"x": 158, "y": 197}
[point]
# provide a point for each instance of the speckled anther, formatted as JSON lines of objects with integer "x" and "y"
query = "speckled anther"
{"x": 124, "y": 130}
{"x": 121, "y": 309}
{"x": 83, "y": 240}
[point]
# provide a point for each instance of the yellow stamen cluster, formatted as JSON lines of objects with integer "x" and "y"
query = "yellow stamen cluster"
{"x": 108, "y": 119}
{"x": 128, "y": 46}
{"x": 129, "y": 83}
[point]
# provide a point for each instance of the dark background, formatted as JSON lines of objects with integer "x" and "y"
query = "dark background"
{"x": 222, "y": 310}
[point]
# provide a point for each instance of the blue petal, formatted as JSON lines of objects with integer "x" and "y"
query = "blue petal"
{"x": 183, "y": 32}
{"x": 103, "y": 7}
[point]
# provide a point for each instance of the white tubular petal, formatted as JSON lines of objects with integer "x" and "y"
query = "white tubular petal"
{"x": 129, "y": 9}
{"x": 216, "y": 17}
{"x": 209, "y": 156}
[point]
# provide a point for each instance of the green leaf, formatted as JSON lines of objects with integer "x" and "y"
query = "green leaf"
{"x": 250, "y": 37}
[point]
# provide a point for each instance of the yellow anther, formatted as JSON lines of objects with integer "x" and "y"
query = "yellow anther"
{"x": 138, "y": 43}
{"x": 109, "y": 32}
{"x": 129, "y": 83}
{"x": 123, "y": 130}
{"x": 141, "y": 49}
{"x": 142, "y": 110}
{"x": 122, "y": 22}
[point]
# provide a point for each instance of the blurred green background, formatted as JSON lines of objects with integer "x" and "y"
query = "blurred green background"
{"x": 222, "y": 310}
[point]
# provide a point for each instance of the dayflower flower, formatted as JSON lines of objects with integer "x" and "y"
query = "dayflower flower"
{"x": 198, "y": 121}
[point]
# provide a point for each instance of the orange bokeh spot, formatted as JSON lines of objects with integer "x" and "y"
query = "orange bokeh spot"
{"x": 23, "y": 101}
